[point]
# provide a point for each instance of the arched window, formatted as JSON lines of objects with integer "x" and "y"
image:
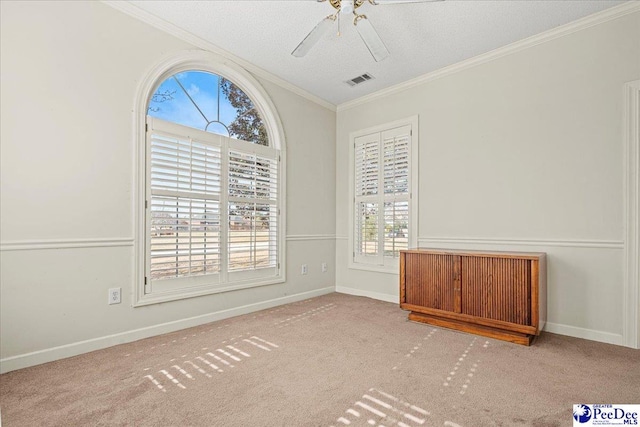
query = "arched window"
{"x": 212, "y": 184}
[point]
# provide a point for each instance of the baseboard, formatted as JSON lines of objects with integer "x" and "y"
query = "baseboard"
{"x": 587, "y": 334}
{"x": 49, "y": 355}
{"x": 55, "y": 353}
{"x": 363, "y": 293}
{"x": 572, "y": 331}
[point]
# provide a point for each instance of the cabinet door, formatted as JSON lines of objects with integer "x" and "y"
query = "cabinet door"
{"x": 432, "y": 281}
{"x": 497, "y": 288}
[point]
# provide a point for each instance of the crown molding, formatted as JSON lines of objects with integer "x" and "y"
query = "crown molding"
{"x": 161, "y": 24}
{"x": 564, "y": 30}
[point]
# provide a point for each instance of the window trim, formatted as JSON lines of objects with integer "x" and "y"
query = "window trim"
{"x": 208, "y": 62}
{"x": 412, "y": 122}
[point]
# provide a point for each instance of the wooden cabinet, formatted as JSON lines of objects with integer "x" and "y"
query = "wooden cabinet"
{"x": 496, "y": 294}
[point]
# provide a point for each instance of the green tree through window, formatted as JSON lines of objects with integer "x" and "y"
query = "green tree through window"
{"x": 247, "y": 125}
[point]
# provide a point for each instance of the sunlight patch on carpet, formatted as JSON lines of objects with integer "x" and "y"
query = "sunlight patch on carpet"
{"x": 380, "y": 409}
{"x": 213, "y": 360}
{"x": 304, "y": 316}
{"x": 463, "y": 380}
{"x": 416, "y": 347}
{"x": 377, "y": 408}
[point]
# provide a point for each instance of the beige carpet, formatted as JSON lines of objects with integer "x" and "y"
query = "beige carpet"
{"x": 329, "y": 361}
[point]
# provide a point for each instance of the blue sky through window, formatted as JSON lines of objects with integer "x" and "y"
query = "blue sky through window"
{"x": 171, "y": 103}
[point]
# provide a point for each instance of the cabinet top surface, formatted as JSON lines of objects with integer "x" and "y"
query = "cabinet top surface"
{"x": 508, "y": 254}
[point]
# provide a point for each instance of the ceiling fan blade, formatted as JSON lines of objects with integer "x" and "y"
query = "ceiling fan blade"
{"x": 377, "y": 2}
{"x": 371, "y": 38}
{"x": 313, "y": 37}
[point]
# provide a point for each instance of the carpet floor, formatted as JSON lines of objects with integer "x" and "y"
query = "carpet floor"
{"x": 334, "y": 360}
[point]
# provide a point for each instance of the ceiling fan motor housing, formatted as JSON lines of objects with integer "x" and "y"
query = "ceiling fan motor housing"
{"x": 337, "y": 4}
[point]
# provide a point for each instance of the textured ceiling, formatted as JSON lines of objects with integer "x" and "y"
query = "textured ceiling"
{"x": 422, "y": 37}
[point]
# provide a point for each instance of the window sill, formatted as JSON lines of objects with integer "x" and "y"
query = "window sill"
{"x": 390, "y": 269}
{"x": 175, "y": 295}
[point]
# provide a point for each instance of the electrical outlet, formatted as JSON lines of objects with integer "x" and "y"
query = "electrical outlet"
{"x": 114, "y": 296}
{"x": 304, "y": 269}
{"x": 324, "y": 267}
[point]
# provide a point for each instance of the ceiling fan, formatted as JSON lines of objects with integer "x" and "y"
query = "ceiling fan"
{"x": 368, "y": 34}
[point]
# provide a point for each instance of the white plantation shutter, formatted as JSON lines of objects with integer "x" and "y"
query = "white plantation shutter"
{"x": 185, "y": 237}
{"x": 396, "y": 150}
{"x": 396, "y": 220}
{"x": 212, "y": 209}
{"x": 396, "y": 163}
{"x": 253, "y": 208}
{"x": 367, "y": 165}
{"x": 382, "y": 195}
{"x": 367, "y": 236}
{"x": 367, "y": 201}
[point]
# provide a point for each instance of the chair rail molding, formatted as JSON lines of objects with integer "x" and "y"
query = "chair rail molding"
{"x": 573, "y": 243}
{"x": 95, "y": 242}
{"x": 305, "y": 237}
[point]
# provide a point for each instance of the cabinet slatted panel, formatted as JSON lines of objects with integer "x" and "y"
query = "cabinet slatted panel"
{"x": 497, "y": 288}
{"x": 434, "y": 278}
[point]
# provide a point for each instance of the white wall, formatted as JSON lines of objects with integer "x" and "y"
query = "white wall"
{"x": 524, "y": 152}
{"x": 69, "y": 77}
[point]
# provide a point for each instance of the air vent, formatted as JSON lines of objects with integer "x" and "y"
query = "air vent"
{"x": 360, "y": 79}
